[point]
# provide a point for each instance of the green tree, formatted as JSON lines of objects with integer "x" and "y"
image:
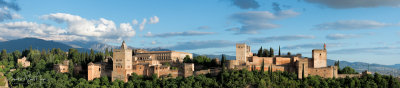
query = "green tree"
{"x": 262, "y": 66}
{"x": 266, "y": 53}
{"x": 348, "y": 70}
{"x": 187, "y": 59}
{"x": 271, "y": 52}
{"x": 223, "y": 62}
{"x": 4, "y": 55}
{"x": 260, "y": 52}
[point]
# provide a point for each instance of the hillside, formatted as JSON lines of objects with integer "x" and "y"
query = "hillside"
{"x": 26, "y": 43}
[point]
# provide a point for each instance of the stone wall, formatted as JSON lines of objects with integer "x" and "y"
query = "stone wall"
{"x": 202, "y": 72}
{"x": 24, "y": 62}
{"x": 302, "y": 68}
{"x": 258, "y": 60}
{"x": 348, "y": 75}
{"x": 282, "y": 60}
{"x": 94, "y": 71}
{"x": 324, "y": 72}
{"x": 231, "y": 64}
{"x": 140, "y": 69}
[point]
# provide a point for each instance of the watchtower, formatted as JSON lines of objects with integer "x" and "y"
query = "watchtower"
{"x": 319, "y": 57}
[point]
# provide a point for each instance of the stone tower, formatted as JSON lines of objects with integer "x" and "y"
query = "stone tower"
{"x": 319, "y": 57}
{"x": 242, "y": 52}
{"x": 122, "y": 63}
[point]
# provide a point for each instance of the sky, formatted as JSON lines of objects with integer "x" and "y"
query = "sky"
{"x": 353, "y": 30}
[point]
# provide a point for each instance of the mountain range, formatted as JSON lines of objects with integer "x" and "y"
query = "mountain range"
{"x": 84, "y": 46}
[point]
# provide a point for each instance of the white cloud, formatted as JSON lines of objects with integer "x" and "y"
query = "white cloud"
{"x": 141, "y": 25}
{"x": 154, "y": 20}
{"x": 341, "y": 36}
{"x": 351, "y": 25}
{"x": 78, "y": 28}
{"x": 15, "y": 30}
{"x": 254, "y": 21}
{"x": 135, "y": 22}
{"x": 6, "y": 14}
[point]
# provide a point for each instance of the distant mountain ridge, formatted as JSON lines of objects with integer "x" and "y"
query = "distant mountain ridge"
{"x": 82, "y": 46}
{"x": 26, "y": 43}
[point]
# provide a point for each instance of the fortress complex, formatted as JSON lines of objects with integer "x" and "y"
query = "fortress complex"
{"x": 317, "y": 65}
{"x": 141, "y": 62}
{"x": 126, "y": 61}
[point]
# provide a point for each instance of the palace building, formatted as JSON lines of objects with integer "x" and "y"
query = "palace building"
{"x": 141, "y": 62}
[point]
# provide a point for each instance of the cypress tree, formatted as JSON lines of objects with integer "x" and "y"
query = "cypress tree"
{"x": 262, "y": 67}
{"x": 279, "y": 54}
{"x": 260, "y": 52}
{"x": 271, "y": 52}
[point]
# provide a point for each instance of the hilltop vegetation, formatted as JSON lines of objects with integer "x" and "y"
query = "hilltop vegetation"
{"x": 40, "y": 75}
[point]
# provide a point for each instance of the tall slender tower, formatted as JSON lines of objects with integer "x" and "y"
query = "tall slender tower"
{"x": 122, "y": 63}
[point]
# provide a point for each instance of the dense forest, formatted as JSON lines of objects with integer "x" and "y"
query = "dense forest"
{"x": 41, "y": 75}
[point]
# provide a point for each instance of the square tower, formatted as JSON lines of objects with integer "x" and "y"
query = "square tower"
{"x": 242, "y": 53}
{"x": 319, "y": 58}
{"x": 122, "y": 63}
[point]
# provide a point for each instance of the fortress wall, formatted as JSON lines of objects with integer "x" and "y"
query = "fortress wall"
{"x": 231, "y": 64}
{"x": 202, "y": 72}
{"x": 349, "y": 75}
{"x": 94, "y": 71}
{"x": 302, "y": 64}
{"x": 258, "y": 60}
{"x": 140, "y": 69}
{"x": 324, "y": 72}
{"x": 282, "y": 60}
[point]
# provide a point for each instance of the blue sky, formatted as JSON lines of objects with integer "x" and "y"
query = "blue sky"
{"x": 356, "y": 30}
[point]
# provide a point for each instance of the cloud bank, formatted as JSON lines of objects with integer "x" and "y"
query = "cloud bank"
{"x": 346, "y": 4}
{"x": 8, "y": 9}
{"x": 77, "y": 28}
{"x": 246, "y": 4}
{"x": 351, "y": 25}
{"x": 254, "y": 21}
